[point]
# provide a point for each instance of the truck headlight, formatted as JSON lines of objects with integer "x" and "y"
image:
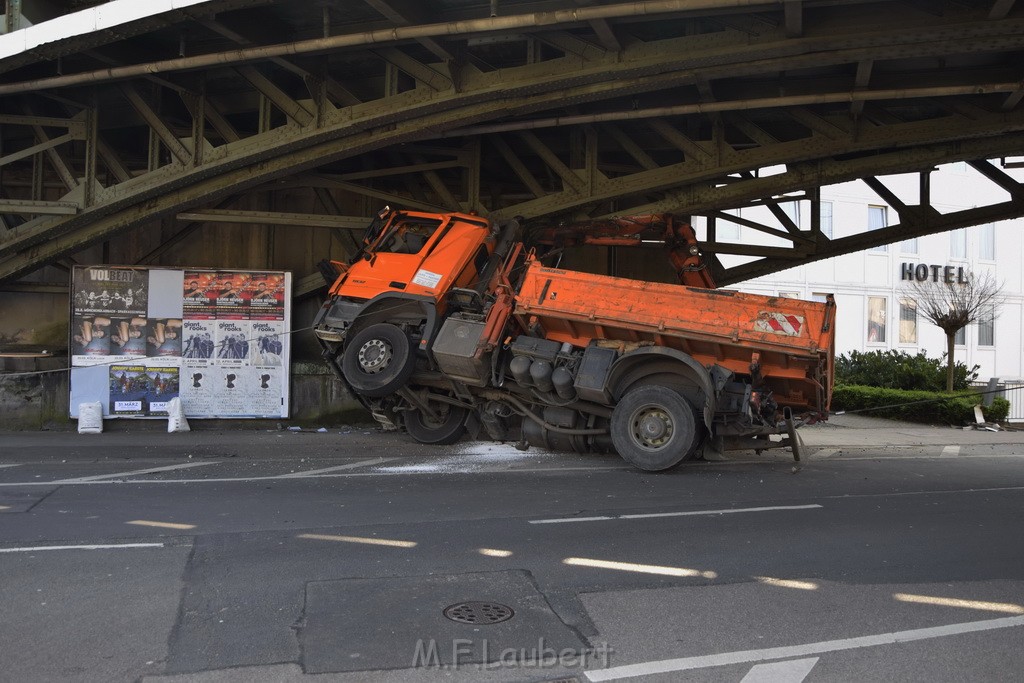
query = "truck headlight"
{"x": 327, "y": 334}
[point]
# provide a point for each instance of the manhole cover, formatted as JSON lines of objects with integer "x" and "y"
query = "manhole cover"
{"x": 478, "y": 612}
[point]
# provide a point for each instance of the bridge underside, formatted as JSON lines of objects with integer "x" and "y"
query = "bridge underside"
{"x": 549, "y": 110}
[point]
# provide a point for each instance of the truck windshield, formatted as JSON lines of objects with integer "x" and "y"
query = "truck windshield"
{"x": 408, "y": 235}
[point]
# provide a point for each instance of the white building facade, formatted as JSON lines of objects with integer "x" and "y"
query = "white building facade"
{"x": 875, "y": 311}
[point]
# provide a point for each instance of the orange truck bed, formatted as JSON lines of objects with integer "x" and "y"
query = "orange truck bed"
{"x": 793, "y": 340}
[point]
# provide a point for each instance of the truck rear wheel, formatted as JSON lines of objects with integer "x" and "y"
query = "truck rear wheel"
{"x": 446, "y": 428}
{"x": 653, "y": 428}
{"x": 378, "y": 360}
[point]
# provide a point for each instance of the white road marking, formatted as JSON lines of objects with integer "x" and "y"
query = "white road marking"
{"x": 12, "y": 464}
{"x": 116, "y": 475}
{"x": 1009, "y": 607}
{"x": 639, "y": 568}
{"x": 120, "y": 546}
{"x": 561, "y": 520}
{"x": 793, "y": 671}
{"x": 949, "y": 451}
{"x": 744, "y": 656}
{"x": 691, "y": 513}
{"x": 360, "y": 539}
{"x": 825, "y": 452}
{"x": 349, "y": 466}
{"x": 220, "y": 480}
{"x": 163, "y": 525}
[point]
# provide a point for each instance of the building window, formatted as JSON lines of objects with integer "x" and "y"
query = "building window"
{"x": 958, "y": 243}
{"x": 960, "y": 338}
{"x": 878, "y": 218}
{"x": 909, "y": 246}
{"x": 826, "y": 218}
{"x": 908, "y": 321}
{"x": 987, "y": 245}
{"x": 876, "y": 319}
{"x": 789, "y": 295}
{"x": 987, "y": 328}
{"x": 820, "y": 297}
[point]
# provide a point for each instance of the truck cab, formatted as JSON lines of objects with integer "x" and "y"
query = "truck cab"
{"x": 396, "y": 287}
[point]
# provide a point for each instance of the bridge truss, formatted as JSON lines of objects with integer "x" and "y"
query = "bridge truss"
{"x": 546, "y": 109}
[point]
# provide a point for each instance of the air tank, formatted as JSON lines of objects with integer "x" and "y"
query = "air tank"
{"x": 540, "y": 373}
{"x": 520, "y": 367}
{"x": 563, "y": 379}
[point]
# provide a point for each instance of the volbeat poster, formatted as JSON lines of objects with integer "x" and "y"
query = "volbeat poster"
{"x": 110, "y": 291}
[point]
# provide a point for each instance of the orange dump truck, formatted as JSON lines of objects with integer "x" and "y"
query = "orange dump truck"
{"x": 445, "y": 323}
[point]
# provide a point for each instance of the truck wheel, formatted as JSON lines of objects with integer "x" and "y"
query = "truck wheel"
{"x": 653, "y": 428}
{"x": 378, "y": 360}
{"x": 448, "y": 428}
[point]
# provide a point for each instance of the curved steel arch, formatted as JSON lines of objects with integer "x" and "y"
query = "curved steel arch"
{"x": 549, "y": 109}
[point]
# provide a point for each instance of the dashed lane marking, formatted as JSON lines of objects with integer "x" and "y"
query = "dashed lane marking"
{"x": 163, "y": 525}
{"x": 950, "y": 451}
{"x": 688, "y": 513}
{"x": 119, "y": 546}
{"x": 9, "y": 464}
{"x": 746, "y": 656}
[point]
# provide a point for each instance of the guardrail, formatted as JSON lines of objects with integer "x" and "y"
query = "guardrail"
{"x": 1010, "y": 389}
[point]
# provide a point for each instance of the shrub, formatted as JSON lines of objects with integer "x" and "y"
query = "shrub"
{"x": 956, "y": 408}
{"x": 901, "y": 370}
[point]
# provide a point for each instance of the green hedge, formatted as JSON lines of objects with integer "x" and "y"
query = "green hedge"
{"x": 901, "y": 370}
{"x": 899, "y": 404}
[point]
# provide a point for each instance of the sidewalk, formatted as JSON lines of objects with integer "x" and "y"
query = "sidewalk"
{"x": 859, "y": 431}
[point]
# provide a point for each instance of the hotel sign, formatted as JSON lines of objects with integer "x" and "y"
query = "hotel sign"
{"x": 922, "y": 272}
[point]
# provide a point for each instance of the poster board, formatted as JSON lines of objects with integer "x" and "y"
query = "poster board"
{"x": 218, "y": 339}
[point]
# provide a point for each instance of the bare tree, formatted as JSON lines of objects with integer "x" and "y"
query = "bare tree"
{"x": 954, "y": 304}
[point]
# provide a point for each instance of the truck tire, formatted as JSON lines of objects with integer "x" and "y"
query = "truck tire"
{"x": 653, "y": 428}
{"x": 378, "y": 360}
{"x": 446, "y": 430}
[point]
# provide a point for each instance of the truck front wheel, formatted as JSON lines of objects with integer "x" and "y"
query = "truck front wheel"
{"x": 653, "y": 427}
{"x": 378, "y": 360}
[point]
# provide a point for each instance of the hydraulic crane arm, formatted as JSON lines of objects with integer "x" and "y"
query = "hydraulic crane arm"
{"x": 634, "y": 231}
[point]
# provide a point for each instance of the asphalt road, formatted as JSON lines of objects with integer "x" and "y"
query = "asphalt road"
{"x": 241, "y": 556}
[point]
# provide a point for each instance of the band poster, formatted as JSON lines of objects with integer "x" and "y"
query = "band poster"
{"x": 216, "y": 339}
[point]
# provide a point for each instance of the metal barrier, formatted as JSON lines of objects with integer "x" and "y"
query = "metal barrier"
{"x": 1010, "y": 389}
